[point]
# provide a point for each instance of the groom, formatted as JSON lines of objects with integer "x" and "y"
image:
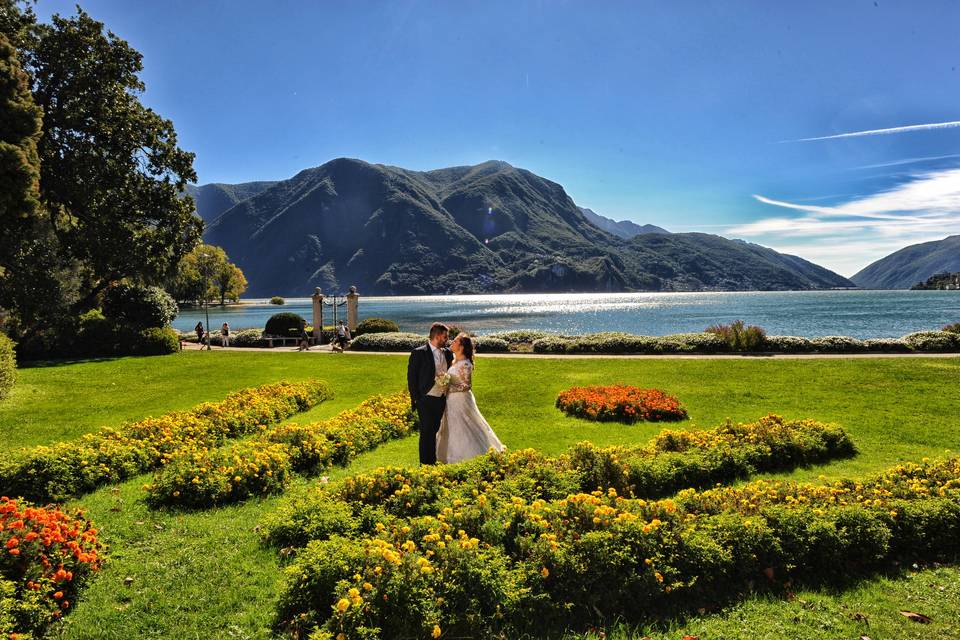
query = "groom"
{"x": 425, "y": 364}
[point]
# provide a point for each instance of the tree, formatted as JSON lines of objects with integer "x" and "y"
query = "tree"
{"x": 111, "y": 172}
{"x": 29, "y": 268}
{"x": 230, "y": 282}
{"x": 206, "y": 273}
{"x": 110, "y": 165}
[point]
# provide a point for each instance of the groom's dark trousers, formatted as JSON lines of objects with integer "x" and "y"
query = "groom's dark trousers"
{"x": 421, "y": 375}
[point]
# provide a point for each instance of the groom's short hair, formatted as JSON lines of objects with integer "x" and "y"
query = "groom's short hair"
{"x": 437, "y": 328}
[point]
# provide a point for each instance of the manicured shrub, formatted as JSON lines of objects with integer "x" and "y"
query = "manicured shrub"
{"x": 487, "y": 344}
{"x": 887, "y": 345}
{"x": 486, "y": 561}
{"x": 837, "y": 344}
{"x": 554, "y": 344}
{"x": 521, "y": 336}
{"x": 45, "y": 557}
{"x": 277, "y": 300}
{"x": 620, "y": 403}
{"x": 952, "y": 328}
{"x": 934, "y": 341}
{"x": 68, "y": 469}
{"x": 388, "y": 342}
{"x": 134, "y": 307}
{"x": 157, "y": 341}
{"x": 376, "y": 325}
{"x": 8, "y": 365}
{"x": 247, "y": 338}
{"x": 285, "y": 323}
{"x": 705, "y": 342}
{"x": 789, "y": 344}
{"x": 260, "y": 465}
{"x": 740, "y": 337}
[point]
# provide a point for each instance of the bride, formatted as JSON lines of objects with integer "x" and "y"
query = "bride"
{"x": 464, "y": 433}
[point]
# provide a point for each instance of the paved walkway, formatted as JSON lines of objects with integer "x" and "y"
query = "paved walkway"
{"x": 327, "y": 349}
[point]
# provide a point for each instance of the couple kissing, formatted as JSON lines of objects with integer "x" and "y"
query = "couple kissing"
{"x": 440, "y": 381}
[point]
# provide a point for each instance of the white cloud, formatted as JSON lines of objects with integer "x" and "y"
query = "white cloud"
{"x": 848, "y": 236}
{"x": 882, "y": 132}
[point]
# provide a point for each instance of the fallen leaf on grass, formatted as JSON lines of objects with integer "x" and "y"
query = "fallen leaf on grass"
{"x": 865, "y": 638}
{"x": 916, "y": 617}
{"x": 691, "y": 637}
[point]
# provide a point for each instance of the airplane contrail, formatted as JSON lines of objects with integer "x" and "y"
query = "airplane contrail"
{"x": 882, "y": 132}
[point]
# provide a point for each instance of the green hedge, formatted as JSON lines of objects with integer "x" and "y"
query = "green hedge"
{"x": 8, "y": 365}
{"x": 497, "y": 560}
{"x": 376, "y": 325}
{"x": 57, "y": 472}
{"x": 285, "y": 323}
{"x": 261, "y": 465}
{"x": 157, "y": 341}
{"x": 400, "y": 342}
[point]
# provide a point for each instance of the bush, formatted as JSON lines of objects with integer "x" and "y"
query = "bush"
{"x": 935, "y": 341}
{"x": 488, "y": 344}
{"x": 136, "y": 307}
{"x": 620, "y": 403}
{"x": 260, "y": 466}
{"x": 740, "y": 337}
{"x": 376, "y": 325}
{"x": 487, "y": 560}
{"x": 46, "y": 556}
{"x": 887, "y": 345}
{"x": 789, "y": 344}
{"x": 285, "y": 323}
{"x": 247, "y": 338}
{"x": 157, "y": 341}
{"x": 837, "y": 344}
{"x": 277, "y": 300}
{"x": 388, "y": 342}
{"x": 68, "y": 469}
{"x": 521, "y": 336}
{"x": 8, "y": 365}
{"x": 952, "y": 328}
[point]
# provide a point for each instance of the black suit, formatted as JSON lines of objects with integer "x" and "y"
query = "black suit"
{"x": 421, "y": 376}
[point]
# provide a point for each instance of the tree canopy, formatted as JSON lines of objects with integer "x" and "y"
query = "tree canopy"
{"x": 206, "y": 274}
{"x": 111, "y": 173}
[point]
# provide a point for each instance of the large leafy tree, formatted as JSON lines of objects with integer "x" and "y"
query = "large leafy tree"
{"x": 30, "y": 273}
{"x": 111, "y": 171}
{"x": 206, "y": 274}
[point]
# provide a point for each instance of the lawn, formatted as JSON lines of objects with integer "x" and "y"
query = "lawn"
{"x": 205, "y": 574}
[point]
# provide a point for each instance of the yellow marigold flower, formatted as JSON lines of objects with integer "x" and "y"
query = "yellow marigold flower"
{"x": 367, "y": 586}
{"x": 436, "y": 631}
{"x": 658, "y": 576}
{"x": 354, "y": 592}
{"x": 545, "y": 572}
{"x": 342, "y": 605}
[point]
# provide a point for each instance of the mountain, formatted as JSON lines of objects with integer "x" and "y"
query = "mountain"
{"x": 622, "y": 228}
{"x": 910, "y": 265}
{"x": 215, "y": 198}
{"x": 474, "y": 229}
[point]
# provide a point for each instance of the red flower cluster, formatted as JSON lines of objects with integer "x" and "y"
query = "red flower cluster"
{"x": 620, "y": 403}
{"x": 46, "y": 551}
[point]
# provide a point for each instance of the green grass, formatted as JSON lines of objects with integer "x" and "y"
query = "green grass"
{"x": 203, "y": 574}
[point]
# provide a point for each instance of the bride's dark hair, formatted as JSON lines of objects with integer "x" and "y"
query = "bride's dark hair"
{"x": 466, "y": 343}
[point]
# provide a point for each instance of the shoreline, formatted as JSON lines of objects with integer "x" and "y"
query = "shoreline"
{"x": 326, "y": 349}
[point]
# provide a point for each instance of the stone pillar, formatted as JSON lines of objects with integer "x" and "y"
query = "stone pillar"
{"x": 353, "y": 300}
{"x": 318, "y": 315}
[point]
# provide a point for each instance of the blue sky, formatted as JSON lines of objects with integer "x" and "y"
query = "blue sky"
{"x": 681, "y": 114}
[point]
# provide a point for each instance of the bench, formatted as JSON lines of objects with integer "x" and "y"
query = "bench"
{"x": 283, "y": 340}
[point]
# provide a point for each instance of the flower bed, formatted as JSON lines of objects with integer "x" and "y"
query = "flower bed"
{"x": 67, "y": 469}
{"x": 45, "y": 556}
{"x": 261, "y": 465}
{"x": 498, "y": 561}
{"x": 620, "y": 403}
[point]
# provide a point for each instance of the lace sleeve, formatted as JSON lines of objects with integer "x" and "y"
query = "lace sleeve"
{"x": 464, "y": 378}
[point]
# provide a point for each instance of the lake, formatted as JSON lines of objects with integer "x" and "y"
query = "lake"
{"x": 861, "y": 314}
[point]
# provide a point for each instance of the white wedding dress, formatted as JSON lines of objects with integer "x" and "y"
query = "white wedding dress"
{"x": 464, "y": 433}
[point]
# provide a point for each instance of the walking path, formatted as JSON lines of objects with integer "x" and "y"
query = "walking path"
{"x": 328, "y": 349}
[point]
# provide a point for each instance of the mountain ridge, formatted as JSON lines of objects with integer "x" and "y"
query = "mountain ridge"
{"x": 485, "y": 228}
{"x": 911, "y": 265}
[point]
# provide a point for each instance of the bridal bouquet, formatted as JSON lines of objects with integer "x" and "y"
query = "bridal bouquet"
{"x": 442, "y": 380}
